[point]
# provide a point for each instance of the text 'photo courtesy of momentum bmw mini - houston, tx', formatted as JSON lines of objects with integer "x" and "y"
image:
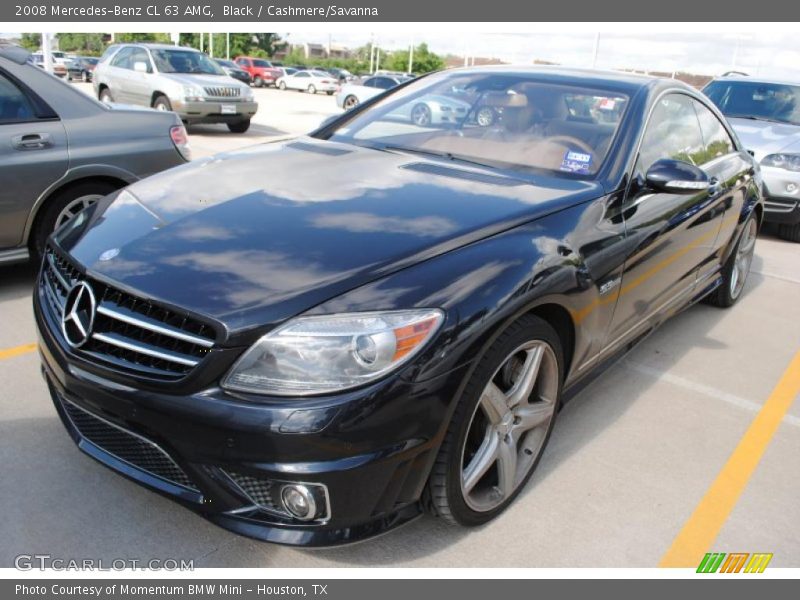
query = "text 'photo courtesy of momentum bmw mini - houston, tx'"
{"x": 315, "y": 360}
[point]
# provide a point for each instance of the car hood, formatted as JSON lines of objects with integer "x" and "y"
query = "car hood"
{"x": 255, "y": 236}
{"x": 766, "y": 137}
{"x": 201, "y": 80}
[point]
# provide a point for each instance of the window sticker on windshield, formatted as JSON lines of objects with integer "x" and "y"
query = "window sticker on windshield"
{"x": 576, "y": 162}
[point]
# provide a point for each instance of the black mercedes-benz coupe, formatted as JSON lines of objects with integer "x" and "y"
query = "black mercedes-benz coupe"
{"x": 312, "y": 341}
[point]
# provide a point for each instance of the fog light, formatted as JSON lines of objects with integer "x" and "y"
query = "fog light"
{"x": 791, "y": 188}
{"x": 299, "y": 502}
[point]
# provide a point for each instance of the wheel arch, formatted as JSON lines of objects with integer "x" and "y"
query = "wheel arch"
{"x": 155, "y": 96}
{"x": 108, "y": 174}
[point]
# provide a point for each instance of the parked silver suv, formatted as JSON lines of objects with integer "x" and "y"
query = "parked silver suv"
{"x": 183, "y": 80}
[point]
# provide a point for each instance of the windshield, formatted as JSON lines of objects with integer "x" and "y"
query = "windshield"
{"x": 261, "y": 63}
{"x": 511, "y": 120}
{"x": 754, "y": 100}
{"x": 185, "y": 61}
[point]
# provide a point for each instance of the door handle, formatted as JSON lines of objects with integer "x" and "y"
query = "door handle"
{"x": 31, "y": 141}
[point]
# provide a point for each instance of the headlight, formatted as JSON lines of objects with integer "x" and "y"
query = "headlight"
{"x": 248, "y": 94}
{"x": 320, "y": 354}
{"x": 790, "y": 162}
{"x": 192, "y": 93}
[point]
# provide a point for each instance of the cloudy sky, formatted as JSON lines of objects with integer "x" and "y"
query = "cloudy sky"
{"x": 703, "y": 48}
{"x": 767, "y": 53}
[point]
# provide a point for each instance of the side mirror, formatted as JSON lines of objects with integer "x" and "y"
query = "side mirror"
{"x": 140, "y": 67}
{"x": 676, "y": 177}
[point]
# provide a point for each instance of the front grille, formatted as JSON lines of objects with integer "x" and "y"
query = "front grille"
{"x": 126, "y": 446}
{"x": 129, "y": 333}
{"x": 223, "y": 92}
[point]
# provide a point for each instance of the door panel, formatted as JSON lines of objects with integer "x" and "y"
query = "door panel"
{"x": 669, "y": 235}
{"x": 33, "y": 154}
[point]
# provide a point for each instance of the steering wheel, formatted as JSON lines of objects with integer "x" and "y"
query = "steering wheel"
{"x": 571, "y": 141}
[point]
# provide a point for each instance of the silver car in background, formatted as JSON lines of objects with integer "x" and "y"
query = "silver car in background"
{"x": 61, "y": 150}
{"x": 354, "y": 93}
{"x": 765, "y": 113}
{"x": 183, "y": 80}
{"x": 310, "y": 81}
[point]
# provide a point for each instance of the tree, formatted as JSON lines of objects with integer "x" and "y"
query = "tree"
{"x": 162, "y": 38}
{"x": 424, "y": 61}
{"x": 31, "y": 41}
{"x": 257, "y": 44}
{"x": 81, "y": 43}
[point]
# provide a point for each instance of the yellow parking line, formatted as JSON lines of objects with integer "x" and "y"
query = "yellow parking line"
{"x": 702, "y": 528}
{"x": 12, "y": 352}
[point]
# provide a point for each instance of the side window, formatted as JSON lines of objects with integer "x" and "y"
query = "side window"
{"x": 140, "y": 55}
{"x": 14, "y": 105}
{"x": 241, "y": 62}
{"x": 122, "y": 59}
{"x": 370, "y": 82}
{"x": 672, "y": 132}
{"x": 384, "y": 83}
{"x": 302, "y": 74}
{"x": 717, "y": 141}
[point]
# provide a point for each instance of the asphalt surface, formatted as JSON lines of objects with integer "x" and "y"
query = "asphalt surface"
{"x": 630, "y": 460}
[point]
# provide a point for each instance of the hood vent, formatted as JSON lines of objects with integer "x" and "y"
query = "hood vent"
{"x": 432, "y": 169}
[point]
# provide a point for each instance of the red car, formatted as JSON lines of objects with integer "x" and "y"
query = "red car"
{"x": 261, "y": 71}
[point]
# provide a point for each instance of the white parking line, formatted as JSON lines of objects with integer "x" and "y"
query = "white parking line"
{"x": 705, "y": 390}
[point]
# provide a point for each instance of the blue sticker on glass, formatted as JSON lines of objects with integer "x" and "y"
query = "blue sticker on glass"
{"x": 576, "y": 162}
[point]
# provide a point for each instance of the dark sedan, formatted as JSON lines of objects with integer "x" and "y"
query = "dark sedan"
{"x": 81, "y": 68}
{"x": 315, "y": 360}
{"x": 233, "y": 70}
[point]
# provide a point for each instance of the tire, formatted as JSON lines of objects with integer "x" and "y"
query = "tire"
{"x": 85, "y": 77}
{"x": 790, "y": 233}
{"x": 69, "y": 76}
{"x": 239, "y": 126}
{"x": 350, "y": 102}
{"x": 162, "y": 103}
{"x": 311, "y": 89}
{"x": 258, "y": 82}
{"x": 329, "y": 93}
{"x": 105, "y": 96}
{"x": 445, "y": 494}
{"x": 52, "y": 213}
{"x": 485, "y": 117}
{"x": 737, "y": 267}
{"x": 282, "y": 86}
{"x": 421, "y": 115}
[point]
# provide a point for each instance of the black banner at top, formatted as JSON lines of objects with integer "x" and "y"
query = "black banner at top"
{"x": 266, "y": 11}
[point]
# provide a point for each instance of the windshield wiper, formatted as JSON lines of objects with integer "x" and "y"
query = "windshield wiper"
{"x": 437, "y": 154}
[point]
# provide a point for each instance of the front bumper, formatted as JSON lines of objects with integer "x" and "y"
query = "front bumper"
{"x": 214, "y": 111}
{"x": 372, "y": 449}
{"x": 781, "y": 195}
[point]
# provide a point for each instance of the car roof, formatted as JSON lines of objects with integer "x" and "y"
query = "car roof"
{"x": 154, "y": 46}
{"x": 750, "y": 79}
{"x": 14, "y": 53}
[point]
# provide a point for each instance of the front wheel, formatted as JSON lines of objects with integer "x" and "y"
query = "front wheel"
{"x": 85, "y": 77}
{"x": 282, "y": 85}
{"x": 162, "y": 103}
{"x": 737, "y": 267}
{"x": 105, "y": 96}
{"x": 350, "y": 102}
{"x": 421, "y": 115}
{"x": 258, "y": 82}
{"x": 239, "y": 126}
{"x": 500, "y": 427}
{"x": 312, "y": 89}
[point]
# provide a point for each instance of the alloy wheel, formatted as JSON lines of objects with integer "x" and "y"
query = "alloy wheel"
{"x": 74, "y": 207}
{"x": 508, "y": 429}
{"x": 421, "y": 115}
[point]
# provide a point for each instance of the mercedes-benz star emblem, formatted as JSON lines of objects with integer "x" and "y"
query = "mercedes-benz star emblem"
{"x": 78, "y": 317}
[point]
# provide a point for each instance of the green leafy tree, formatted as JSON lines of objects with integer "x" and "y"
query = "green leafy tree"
{"x": 424, "y": 61}
{"x": 161, "y": 38}
{"x": 90, "y": 44}
{"x": 31, "y": 41}
{"x": 251, "y": 44}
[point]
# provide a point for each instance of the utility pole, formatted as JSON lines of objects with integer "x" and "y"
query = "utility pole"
{"x": 201, "y": 41}
{"x": 211, "y": 44}
{"x": 411, "y": 56}
{"x": 227, "y": 46}
{"x": 47, "y": 55}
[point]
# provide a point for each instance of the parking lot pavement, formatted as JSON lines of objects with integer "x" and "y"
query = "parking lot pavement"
{"x": 630, "y": 459}
{"x": 299, "y": 112}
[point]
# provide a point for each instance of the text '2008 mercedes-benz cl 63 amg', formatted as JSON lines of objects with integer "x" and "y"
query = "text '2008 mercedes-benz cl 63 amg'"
{"x": 312, "y": 341}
